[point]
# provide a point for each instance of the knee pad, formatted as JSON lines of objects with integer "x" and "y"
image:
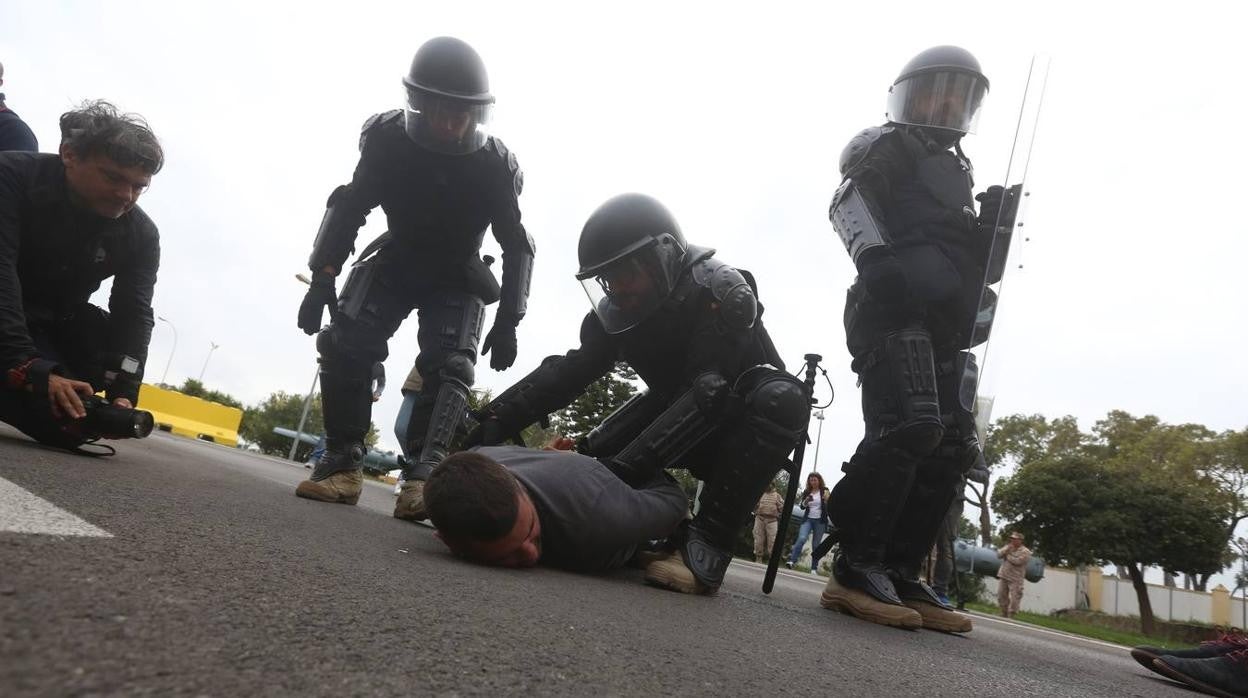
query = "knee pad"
{"x": 919, "y": 439}
{"x": 459, "y": 368}
{"x": 780, "y": 400}
{"x": 900, "y": 397}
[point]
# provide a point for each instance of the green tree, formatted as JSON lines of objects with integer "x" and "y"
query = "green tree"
{"x": 1229, "y": 469}
{"x": 1191, "y": 450}
{"x": 282, "y": 409}
{"x": 1016, "y": 440}
{"x": 600, "y": 399}
{"x": 194, "y": 388}
{"x": 1111, "y": 501}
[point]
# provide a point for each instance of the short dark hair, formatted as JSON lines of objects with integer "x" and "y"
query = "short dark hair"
{"x": 471, "y": 497}
{"x": 99, "y": 128}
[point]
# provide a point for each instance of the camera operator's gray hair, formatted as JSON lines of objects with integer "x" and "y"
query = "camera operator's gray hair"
{"x": 99, "y": 128}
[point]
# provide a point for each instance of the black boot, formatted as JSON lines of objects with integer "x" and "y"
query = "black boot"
{"x": 1226, "y": 675}
{"x": 1227, "y": 643}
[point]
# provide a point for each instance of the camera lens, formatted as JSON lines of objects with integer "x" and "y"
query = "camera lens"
{"x": 143, "y": 424}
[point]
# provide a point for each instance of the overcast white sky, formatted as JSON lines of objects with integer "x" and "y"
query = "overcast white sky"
{"x": 1131, "y": 295}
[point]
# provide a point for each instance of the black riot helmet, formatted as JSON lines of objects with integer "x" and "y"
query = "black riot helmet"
{"x": 940, "y": 88}
{"x": 448, "y": 97}
{"x": 631, "y": 250}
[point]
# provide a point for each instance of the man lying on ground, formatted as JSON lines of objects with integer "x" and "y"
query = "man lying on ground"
{"x": 514, "y": 507}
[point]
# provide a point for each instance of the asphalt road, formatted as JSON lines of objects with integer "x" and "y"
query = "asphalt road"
{"x": 184, "y": 568}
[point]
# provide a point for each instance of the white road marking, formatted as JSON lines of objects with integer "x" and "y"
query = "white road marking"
{"x": 23, "y": 512}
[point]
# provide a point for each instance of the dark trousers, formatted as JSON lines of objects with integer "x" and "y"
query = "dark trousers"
{"x": 76, "y": 342}
{"x": 377, "y": 297}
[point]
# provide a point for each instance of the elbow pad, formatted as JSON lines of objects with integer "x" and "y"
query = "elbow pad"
{"x": 852, "y": 219}
{"x": 335, "y": 240}
{"x": 517, "y": 275}
{"x": 738, "y": 306}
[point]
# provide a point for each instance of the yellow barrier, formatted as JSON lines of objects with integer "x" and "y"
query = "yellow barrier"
{"x": 191, "y": 416}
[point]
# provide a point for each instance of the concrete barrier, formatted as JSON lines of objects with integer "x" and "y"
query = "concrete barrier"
{"x": 191, "y": 416}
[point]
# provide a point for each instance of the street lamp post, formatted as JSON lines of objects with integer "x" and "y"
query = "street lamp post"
{"x": 303, "y": 418}
{"x": 165, "y": 375}
{"x": 1242, "y": 544}
{"x": 307, "y": 401}
{"x": 205, "y": 368}
{"x": 818, "y": 414}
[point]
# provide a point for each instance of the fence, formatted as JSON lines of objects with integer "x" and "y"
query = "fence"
{"x": 1061, "y": 588}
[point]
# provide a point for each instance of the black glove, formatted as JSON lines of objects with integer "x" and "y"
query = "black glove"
{"x": 502, "y": 339}
{"x": 884, "y": 278}
{"x": 488, "y": 432}
{"x": 321, "y": 295}
{"x": 991, "y": 201}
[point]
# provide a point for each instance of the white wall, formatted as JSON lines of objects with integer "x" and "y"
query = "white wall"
{"x": 1054, "y": 592}
{"x": 1057, "y": 591}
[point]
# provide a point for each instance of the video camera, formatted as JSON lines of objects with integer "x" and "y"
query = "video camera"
{"x": 108, "y": 421}
{"x": 103, "y": 419}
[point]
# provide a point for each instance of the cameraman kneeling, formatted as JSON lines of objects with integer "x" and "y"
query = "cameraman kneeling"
{"x": 67, "y": 222}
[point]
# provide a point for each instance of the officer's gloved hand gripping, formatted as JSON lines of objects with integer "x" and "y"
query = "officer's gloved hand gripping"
{"x": 990, "y": 206}
{"x": 321, "y": 294}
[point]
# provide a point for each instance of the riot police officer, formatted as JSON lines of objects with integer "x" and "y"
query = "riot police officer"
{"x": 442, "y": 180}
{"x": 690, "y": 325}
{"x": 906, "y": 214}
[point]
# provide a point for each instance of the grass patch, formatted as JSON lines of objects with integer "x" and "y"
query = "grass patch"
{"x": 1121, "y": 637}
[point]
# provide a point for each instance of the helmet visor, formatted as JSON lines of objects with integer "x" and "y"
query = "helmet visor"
{"x": 627, "y": 292}
{"x": 942, "y": 99}
{"x": 444, "y": 124}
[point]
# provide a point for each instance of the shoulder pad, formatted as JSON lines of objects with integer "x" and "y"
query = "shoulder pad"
{"x": 514, "y": 173}
{"x": 738, "y": 305}
{"x": 696, "y": 254}
{"x": 378, "y": 121}
{"x": 860, "y": 145}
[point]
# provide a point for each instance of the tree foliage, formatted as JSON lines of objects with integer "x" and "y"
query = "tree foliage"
{"x": 194, "y": 388}
{"x": 282, "y": 409}
{"x": 600, "y": 399}
{"x": 1134, "y": 493}
{"x": 1015, "y": 440}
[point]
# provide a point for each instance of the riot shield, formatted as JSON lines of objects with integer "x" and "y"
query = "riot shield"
{"x": 1007, "y": 232}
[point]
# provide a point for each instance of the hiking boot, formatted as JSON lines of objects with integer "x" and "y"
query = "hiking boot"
{"x": 938, "y": 618}
{"x": 1226, "y": 675}
{"x": 650, "y": 551}
{"x": 1228, "y": 642}
{"x": 860, "y": 604}
{"x": 342, "y": 487}
{"x": 672, "y": 573}
{"x": 410, "y": 506}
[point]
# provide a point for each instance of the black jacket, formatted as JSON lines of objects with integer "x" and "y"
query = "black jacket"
{"x": 438, "y": 208}
{"x": 14, "y": 133}
{"x": 683, "y": 339}
{"x": 922, "y": 193}
{"x": 54, "y": 255}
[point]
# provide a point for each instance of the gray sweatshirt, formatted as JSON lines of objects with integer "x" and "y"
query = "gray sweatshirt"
{"x": 591, "y": 520}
